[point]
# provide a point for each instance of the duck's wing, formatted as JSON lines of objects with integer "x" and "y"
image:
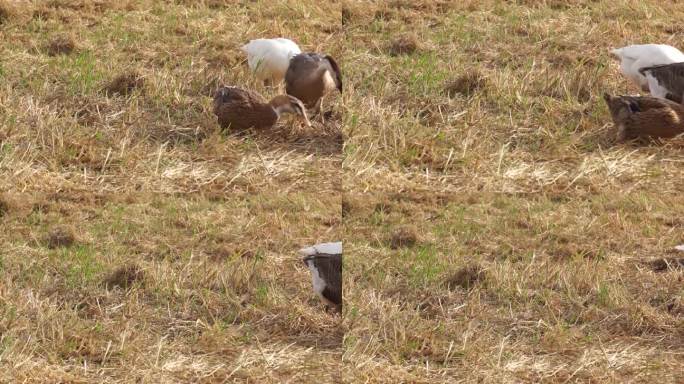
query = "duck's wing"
{"x": 235, "y": 95}
{"x": 666, "y": 80}
{"x": 655, "y": 122}
{"x": 241, "y": 109}
{"x": 302, "y": 75}
{"x": 640, "y": 103}
{"x": 335, "y": 70}
{"x": 329, "y": 267}
{"x": 304, "y": 63}
{"x": 326, "y": 258}
{"x": 647, "y": 103}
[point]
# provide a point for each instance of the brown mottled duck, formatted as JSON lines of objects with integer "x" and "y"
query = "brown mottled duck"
{"x": 645, "y": 117}
{"x": 311, "y": 76}
{"x": 240, "y": 109}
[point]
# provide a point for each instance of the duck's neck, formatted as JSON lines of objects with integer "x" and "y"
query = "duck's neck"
{"x": 278, "y": 108}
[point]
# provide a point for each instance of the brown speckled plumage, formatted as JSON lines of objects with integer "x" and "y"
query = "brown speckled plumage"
{"x": 645, "y": 116}
{"x": 311, "y": 76}
{"x": 240, "y": 109}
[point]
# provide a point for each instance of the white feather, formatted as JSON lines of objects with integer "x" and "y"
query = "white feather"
{"x": 655, "y": 88}
{"x": 318, "y": 282}
{"x": 634, "y": 57}
{"x": 270, "y": 58}
{"x": 679, "y": 248}
{"x": 289, "y": 44}
{"x": 328, "y": 248}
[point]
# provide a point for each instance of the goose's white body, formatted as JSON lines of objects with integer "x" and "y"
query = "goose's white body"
{"x": 270, "y": 58}
{"x": 634, "y": 57}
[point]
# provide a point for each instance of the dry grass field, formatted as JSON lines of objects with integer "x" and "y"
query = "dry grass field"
{"x": 493, "y": 231}
{"x": 138, "y": 244}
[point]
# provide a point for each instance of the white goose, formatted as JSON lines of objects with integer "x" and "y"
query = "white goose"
{"x": 270, "y": 58}
{"x": 634, "y": 57}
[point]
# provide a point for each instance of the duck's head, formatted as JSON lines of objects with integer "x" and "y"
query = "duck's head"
{"x": 620, "y": 107}
{"x": 289, "y": 104}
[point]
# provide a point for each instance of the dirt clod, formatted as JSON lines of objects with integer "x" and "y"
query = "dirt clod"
{"x": 4, "y": 206}
{"x": 466, "y": 84}
{"x": 346, "y": 15}
{"x": 466, "y": 277}
{"x": 384, "y": 206}
{"x": 403, "y": 45}
{"x": 60, "y": 237}
{"x": 7, "y": 11}
{"x": 404, "y": 237}
{"x": 667, "y": 263}
{"x": 125, "y": 276}
{"x": 346, "y": 207}
{"x": 222, "y": 253}
{"x": 61, "y": 45}
{"x": 124, "y": 84}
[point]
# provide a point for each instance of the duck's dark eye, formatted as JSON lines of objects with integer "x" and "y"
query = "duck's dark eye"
{"x": 633, "y": 106}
